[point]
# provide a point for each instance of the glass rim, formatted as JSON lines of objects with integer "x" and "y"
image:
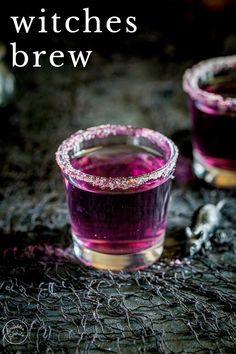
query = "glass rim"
{"x": 113, "y": 183}
{"x": 205, "y": 68}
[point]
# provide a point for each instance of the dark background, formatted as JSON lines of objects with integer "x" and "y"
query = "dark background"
{"x": 178, "y": 305}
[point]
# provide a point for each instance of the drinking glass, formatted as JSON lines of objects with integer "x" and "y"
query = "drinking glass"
{"x": 117, "y": 181}
{"x": 211, "y": 89}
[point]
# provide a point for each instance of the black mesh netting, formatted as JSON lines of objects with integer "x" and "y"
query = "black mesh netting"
{"x": 179, "y": 305}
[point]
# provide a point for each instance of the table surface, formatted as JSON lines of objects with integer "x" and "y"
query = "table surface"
{"x": 179, "y": 305}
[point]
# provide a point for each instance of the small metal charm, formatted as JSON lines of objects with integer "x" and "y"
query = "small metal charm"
{"x": 205, "y": 221}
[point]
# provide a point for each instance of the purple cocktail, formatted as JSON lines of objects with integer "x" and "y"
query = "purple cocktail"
{"x": 211, "y": 86}
{"x": 118, "y": 181}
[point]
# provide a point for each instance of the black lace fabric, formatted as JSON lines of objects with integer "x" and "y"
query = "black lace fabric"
{"x": 178, "y": 305}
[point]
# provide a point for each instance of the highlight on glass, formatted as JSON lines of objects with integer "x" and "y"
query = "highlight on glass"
{"x": 118, "y": 181}
{"x": 211, "y": 87}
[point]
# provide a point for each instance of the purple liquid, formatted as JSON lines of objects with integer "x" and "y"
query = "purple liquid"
{"x": 119, "y": 222}
{"x": 213, "y": 131}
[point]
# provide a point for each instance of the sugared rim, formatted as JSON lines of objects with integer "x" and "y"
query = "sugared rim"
{"x": 205, "y": 69}
{"x": 115, "y": 183}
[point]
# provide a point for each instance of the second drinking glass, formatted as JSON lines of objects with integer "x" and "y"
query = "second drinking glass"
{"x": 211, "y": 87}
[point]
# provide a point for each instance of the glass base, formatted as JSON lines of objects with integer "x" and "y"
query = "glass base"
{"x": 117, "y": 262}
{"x": 218, "y": 177}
